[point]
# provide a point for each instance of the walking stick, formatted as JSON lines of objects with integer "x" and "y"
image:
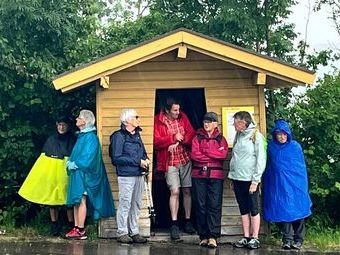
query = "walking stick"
{"x": 149, "y": 201}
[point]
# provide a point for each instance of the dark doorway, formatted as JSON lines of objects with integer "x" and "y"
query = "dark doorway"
{"x": 193, "y": 104}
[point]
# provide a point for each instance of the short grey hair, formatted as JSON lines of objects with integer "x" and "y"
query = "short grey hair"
{"x": 88, "y": 116}
{"x": 127, "y": 114}
{"x": 246, "y": 116}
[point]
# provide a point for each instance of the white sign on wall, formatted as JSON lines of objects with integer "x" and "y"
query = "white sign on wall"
{"x": 228, "y": 121}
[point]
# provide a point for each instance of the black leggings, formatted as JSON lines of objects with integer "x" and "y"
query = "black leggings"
{"x": 247, "y": 203}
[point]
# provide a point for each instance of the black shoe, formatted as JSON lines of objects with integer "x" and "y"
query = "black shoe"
{"x": 174, "y": 233}
{"x": 296, "y": 245}
{"x": 286, "y": 245}
{"x": 138, "y": 239}
{"x": 189, "y": 228}
{"x": 55, "y": 230}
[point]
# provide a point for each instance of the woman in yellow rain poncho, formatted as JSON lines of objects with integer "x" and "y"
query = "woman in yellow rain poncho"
{"x": 47, "y": 181}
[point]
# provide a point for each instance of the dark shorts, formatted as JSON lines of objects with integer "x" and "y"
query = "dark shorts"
{"x": 247, "y": 203}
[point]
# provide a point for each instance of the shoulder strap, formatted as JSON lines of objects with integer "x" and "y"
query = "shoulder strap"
{"x": 253, "y": 136}
{"x": 200, "y": 138}
{"x": 217, "y": 138}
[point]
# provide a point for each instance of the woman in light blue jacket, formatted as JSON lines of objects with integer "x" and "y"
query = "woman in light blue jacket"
{"x": 246, "y": 167}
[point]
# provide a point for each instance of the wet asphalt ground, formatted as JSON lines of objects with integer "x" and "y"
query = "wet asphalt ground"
{"x": 111, "y": 247}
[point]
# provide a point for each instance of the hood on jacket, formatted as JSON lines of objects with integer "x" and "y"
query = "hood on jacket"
{"x": 123, "y": 128}
{"x": 204, "y": 133}
{"x": 282, "y": 125}
{"x": 249, "y": 129}
{"x": 86, "y": 130}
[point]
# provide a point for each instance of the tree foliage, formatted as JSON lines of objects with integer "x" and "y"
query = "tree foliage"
{"x": 38, "y": 39}
{"x": 258, "y": 25}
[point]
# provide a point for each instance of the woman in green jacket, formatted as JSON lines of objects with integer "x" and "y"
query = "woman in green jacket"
{"x": 246, "y": 167}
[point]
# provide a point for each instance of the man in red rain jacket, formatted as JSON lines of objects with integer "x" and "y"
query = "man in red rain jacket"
{"x": 173, "y": 134}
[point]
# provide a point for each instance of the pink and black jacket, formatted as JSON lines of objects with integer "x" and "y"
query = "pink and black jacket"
{"x": 208, "y": 154}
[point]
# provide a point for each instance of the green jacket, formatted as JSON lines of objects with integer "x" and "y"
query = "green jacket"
{"x": 249, "y": 156}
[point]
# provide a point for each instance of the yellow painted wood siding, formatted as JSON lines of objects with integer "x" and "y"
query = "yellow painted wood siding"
{"x": 225, "y": 85}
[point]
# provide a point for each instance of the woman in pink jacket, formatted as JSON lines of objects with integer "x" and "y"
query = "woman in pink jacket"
{"x": 209, "y": 150}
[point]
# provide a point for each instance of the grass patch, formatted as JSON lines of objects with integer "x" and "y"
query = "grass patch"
{"x": 40, "y": 227}
{"x": 317, "y": 237}
{"x": 33, "y": 231}
{"x": 324, "y": 239}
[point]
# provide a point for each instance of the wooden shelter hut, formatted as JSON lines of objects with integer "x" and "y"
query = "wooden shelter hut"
{"x": 205, "y": 73}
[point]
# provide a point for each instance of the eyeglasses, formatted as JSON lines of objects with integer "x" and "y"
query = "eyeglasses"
{"x": 238, "y": 121}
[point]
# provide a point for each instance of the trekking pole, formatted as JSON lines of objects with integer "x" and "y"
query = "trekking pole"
{"x": 149, "y": 200}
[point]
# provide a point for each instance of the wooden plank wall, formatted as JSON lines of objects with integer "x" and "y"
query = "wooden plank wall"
{"x": 225, "y": 85}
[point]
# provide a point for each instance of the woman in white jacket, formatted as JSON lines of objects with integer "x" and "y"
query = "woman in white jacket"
{"x": 246, "y": 168}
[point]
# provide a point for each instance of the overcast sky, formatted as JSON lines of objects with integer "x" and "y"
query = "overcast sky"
{"x": 321, "y": 32}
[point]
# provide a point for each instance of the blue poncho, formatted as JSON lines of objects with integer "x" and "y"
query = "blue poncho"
{"x": 87, "y": 174}
{"x": 286, "y": 197}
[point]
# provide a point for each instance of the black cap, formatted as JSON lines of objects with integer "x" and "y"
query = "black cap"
{"x": 65, "y": 119}
{"x": 210, "y": 116}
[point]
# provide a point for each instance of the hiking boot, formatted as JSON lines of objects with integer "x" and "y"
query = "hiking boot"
{"x": 138, "y": 239}
{"x": 253, "y": 244}
{"x": 203, "y": 242}
{"x": 286, "y": 245}
{"x": 212, "y": 243}
{"x": 124, "y": 239}
{"x": 189, "y": 228}
{"x": 296, "y": 245}
{"x": 241, "y": 243}
{"x": 174, "y": 233}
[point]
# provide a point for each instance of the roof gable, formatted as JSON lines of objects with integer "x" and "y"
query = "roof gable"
{"x": 280, "y": 72}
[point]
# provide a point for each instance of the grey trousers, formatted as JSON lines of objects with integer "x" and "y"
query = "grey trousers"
{"x": 130, "y": 202}
{"x": 293, "y": 231}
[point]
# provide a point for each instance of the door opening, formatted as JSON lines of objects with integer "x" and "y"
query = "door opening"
{"x": 193, "y": 104}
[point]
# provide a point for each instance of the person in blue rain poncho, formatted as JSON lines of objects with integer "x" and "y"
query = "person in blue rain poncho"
{"x": 286, "y": 197}
{"x": 88, "y": 191}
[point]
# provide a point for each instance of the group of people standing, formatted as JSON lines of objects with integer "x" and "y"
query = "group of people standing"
{"x": 71, "y": 172}
{"x": 192, "y": 162}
